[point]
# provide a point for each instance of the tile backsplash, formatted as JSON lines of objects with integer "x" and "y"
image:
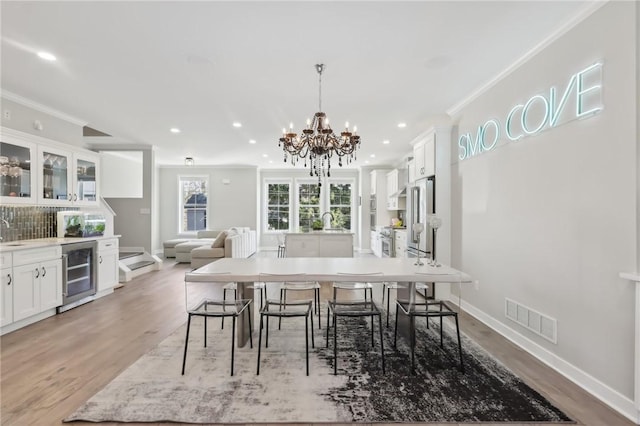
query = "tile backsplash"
{"x": 29, "y": 222}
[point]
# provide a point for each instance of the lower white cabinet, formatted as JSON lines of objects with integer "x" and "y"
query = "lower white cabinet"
{"x": 108, "y": 256}
{"x": 6, "y": 297}
{"x": 37, "y": 287}
{"x": 400, "y": 243}
{"x": 319, "y": 244}
{"x": 376, "y": 243}
{"x": 37, "y": 281}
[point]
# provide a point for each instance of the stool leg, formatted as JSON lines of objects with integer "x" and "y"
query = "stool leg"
{"x": 233, "y": 341}
{"x": 186, "y": 342}
{"x": 318, "y": 308}
{"x": 205, "y": 330}
{"x": 306, "y": 337}
{"x": 395, "y": 331}
{"x": 384, "y": 286}
{"x": 381, "y": 341}
{"x": 259, "y": 346}
{"x": 266, "y": 345}
{"x": 327, "y": 341}
{"x": 335, "y": 345}
{"x": 459, "y": 344}
{"x": 412, "y": 336}
{"x": 388, "y": 307}
{"x": 224, "y": 299}
{"x": 313, "y": 344}
{"x": 283, "y": 299}
{"x": 250, "y": 328}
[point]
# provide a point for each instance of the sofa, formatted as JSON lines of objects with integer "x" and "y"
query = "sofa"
{"x": 213, "y": 245}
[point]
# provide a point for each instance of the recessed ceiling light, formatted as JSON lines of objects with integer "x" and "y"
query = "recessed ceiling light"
{"x": 46, "y": 56}
{"x": 386, "y": 141}
{"x": 237, "y": 124}
{"x": 252, "y": 141}
{"x": 373, "y": 156}
{"x": 270, "y": 161}
{"x": 366, "y": 161}
{"x": 402, "y": 125}
{"x": 265, "y": 155}
{"x": 174, "y": 130}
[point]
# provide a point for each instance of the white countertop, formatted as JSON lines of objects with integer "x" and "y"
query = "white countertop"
{"x": 321, "y": 233}
{"x": 349, "y": 269}
{"x": 45, "y": 242}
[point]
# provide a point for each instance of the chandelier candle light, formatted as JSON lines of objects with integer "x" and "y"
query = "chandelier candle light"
{"x": 318, "y": 143}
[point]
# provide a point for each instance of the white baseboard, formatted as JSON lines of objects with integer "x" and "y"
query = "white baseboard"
{"x": 595, "y": 387}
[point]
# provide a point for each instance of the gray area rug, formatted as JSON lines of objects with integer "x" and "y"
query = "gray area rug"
{"x": 153, "y": 390}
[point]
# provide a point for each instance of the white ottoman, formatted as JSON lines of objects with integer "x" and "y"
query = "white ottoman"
{"x": 183, "y": 250}
{"x": 170, "y": 246}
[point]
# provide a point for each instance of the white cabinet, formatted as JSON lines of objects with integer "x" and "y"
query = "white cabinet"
{"x": 6, "y": 297}
{"x": 67, "y": 178}
{"x": 107, "y": 264}
{"x": 400, "y": 243}
{"x": 376, "y": 243}
{"x": 411, "y": 170}
{"x": 373, "y": 178}
{"x": 37, "y": 281}
{"x": 424, "y": 157}
{"x": 392, "y": 187}
{"x": 17, "y": 159}
{"x": 319, "y": 244}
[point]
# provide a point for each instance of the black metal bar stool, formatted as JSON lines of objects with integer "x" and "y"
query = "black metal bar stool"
{"x": 365, "y": 308}
{"x": 218, "y": 308}
{"x": 280, "y": 309}
{"x": 421, "y": 309}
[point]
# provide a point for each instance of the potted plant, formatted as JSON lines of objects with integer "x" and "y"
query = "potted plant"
{"x": 317, "y": 225}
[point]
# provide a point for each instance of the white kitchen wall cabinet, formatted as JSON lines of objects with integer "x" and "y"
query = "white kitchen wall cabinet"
{"x": 392, "y": 188}
{"x": 424, "y": 157}
{"x": 6, "y": 296}
{"x": 67, "y": 178}
{"x": 17, "y": 164}
{"x": 107, "y": 264}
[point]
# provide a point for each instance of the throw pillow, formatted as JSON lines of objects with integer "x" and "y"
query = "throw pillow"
{"x": 219, "y": 241}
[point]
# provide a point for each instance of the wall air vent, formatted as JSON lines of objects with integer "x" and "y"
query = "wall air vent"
{"x": 540, "y": 324}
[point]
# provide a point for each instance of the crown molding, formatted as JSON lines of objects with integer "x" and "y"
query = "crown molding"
{"x": 42, "y": 108}
{"x": 562, "y": 30}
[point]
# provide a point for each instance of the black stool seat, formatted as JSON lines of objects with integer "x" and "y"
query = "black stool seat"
{"x": 218, "y": 309}
{"x": 427, "y": 309}
{"x": 282, "y": 309}
{"x": 364, "y": 308}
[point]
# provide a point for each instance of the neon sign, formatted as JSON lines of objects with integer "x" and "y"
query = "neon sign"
{"x": 581, "y": 97}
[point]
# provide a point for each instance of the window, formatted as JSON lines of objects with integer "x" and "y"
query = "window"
{"x": 278, "y": 207}
{"x": 308, "y": 206}
{"x": 193, "y": 203}
{"x": 340, "y": 205}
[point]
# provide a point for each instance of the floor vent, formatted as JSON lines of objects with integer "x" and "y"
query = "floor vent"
{"x": 540, "y": 324}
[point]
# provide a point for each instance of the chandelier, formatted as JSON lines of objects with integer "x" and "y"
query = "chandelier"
{"x": 317, "y": 143}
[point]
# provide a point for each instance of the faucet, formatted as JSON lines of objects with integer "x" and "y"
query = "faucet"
{"x": 322, "y": 218}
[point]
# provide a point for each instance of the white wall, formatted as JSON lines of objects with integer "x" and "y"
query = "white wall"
{"x": 549, "y": 221}
{"x": 54, "y": 128}
{"x": 232, "y": 204}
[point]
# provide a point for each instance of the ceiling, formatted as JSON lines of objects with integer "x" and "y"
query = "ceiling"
{"x": 136, "y": 69}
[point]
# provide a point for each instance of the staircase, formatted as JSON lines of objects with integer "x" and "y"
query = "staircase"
{"x": 134, "y": 261}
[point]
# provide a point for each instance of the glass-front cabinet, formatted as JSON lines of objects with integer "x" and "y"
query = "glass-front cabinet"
{"x": 67, "y": 178}
{"x": 17, "y": 183}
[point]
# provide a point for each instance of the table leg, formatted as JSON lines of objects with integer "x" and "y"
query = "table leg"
{"x": 405, "y": 291}
{"x": 245, "y": 291}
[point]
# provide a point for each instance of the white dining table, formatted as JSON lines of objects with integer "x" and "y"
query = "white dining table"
{"x": 246, "y": 271}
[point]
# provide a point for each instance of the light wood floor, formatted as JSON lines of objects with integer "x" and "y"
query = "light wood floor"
{"x": 50, "y": 368}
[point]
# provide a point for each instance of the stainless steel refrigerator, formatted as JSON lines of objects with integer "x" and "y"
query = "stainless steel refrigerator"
{"x": 420, "y": 204}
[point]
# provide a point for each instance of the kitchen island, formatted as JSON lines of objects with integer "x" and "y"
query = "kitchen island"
{"x": 319, "y": 244}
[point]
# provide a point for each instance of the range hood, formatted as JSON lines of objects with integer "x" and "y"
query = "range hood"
{"x": 402, "y": 192}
